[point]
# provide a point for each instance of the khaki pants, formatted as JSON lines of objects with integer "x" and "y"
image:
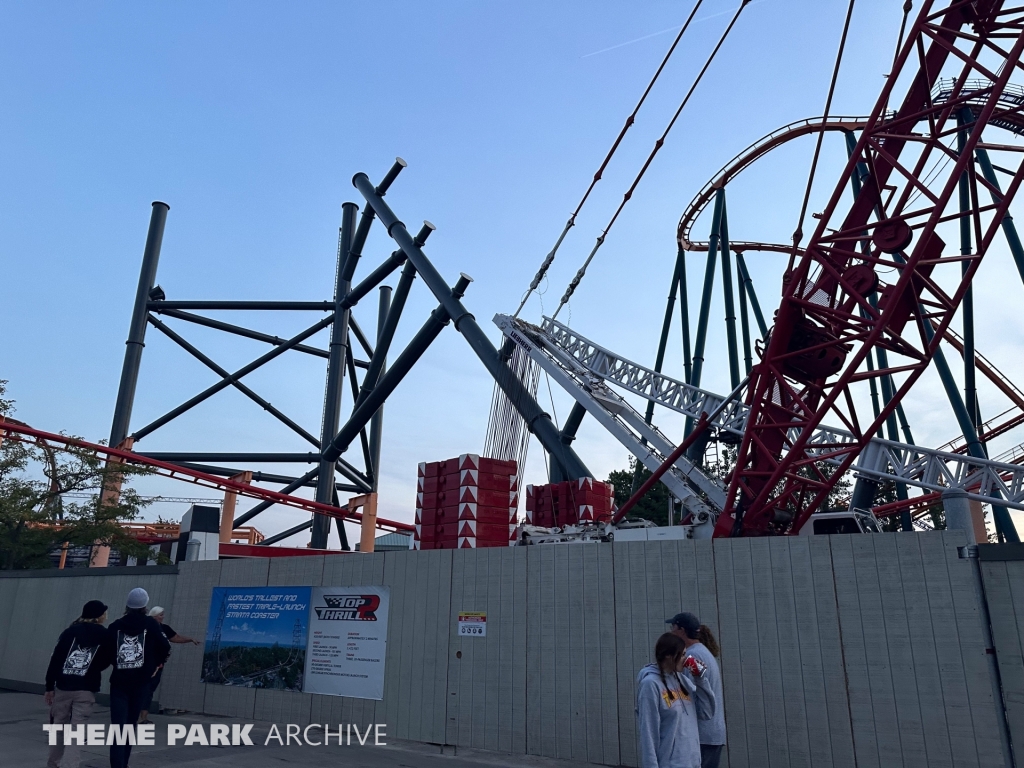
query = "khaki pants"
{"x": 69, "y": 707}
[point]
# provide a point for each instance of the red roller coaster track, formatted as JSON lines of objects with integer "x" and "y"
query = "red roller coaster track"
{"x": 28, "y": 434}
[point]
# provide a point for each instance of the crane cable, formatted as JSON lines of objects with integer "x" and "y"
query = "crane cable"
{"x": 657, "y": 146}
{"x": 798, "y": 233}
{"x": 600, "y": 171}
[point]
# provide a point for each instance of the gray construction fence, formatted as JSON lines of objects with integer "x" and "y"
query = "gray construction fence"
{"x": 870, "y": 650}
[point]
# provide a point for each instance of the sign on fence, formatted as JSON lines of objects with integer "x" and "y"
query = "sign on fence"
{"x": 472, "y": 624}
{"x": 328, "y": 640}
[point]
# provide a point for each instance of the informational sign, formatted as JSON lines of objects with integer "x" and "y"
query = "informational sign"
{"x": 348, "y": 641}
{"x": 329, "y": 640}
{"x": 256, "y": 637}
{"x": 472, "y": 624}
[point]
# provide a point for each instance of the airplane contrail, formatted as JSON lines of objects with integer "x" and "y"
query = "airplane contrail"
{"x": 662, "y": 32}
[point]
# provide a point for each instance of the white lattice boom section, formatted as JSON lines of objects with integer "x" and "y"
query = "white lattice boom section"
{"x": 582, "y": 367}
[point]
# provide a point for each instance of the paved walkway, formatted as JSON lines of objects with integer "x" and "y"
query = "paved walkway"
{"x": 23, "y": 745}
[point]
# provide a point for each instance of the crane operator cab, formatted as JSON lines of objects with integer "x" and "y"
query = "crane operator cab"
{"x": 845, "y": 521}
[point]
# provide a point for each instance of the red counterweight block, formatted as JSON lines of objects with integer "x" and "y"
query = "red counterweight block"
{"x": 484, "y": 514}
{"x": 467, "y": 501}
{"x": 474, "y": 461}
{"x": 569, "y": 503}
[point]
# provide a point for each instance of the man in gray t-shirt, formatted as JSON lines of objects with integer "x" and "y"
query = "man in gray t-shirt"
{"x": 697, "y": 638}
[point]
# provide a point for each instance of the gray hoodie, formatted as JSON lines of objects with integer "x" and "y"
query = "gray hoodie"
{"x": 667, "y": 717}
{"x": 712, "y": 730}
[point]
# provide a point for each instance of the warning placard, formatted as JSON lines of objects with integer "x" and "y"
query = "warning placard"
{"x": 472, "y": 624}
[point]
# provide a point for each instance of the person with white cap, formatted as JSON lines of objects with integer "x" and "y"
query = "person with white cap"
{"x": 138, "y": 649}
{"x": 157, "y": 612}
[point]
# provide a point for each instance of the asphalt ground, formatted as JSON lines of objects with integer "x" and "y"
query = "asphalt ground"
{"x": 23, "y": 744}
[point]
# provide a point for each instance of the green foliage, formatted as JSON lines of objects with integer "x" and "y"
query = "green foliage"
{"x": 250, "y": 666}
{"x": 653, "y": 506}
{"x": 719, "y": 465}
{"x": 35, "y": 519}
{"x": 933, "y": 513}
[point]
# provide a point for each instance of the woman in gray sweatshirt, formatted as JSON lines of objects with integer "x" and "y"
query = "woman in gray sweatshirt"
{"x": 701, "y": 644}
{"x": 672, "y": 695}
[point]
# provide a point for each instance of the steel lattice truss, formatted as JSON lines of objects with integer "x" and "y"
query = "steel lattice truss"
{"x": 827, "y": 324}
{"x": 582, "y": 367}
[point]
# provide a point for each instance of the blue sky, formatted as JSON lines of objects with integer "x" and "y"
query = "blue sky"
{"x": 250, "y": 119}
{"x": 261, "y": 631}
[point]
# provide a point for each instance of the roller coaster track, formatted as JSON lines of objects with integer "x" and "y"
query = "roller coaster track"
{"x": 1013, "y": 95}
{"x": 17, "y": 431}
{"x": 582, "y": 368}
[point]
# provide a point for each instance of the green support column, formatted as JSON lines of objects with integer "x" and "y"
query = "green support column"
{"x": 964, "y": 189}
{"x": 705, "y": 311}
{"x": 730, "y": 309}
{"x": 748, "y": 286}
{"x": 1004, "y": 523}
{"x": 684, "y": 318}
{"x": 748, "y": 360}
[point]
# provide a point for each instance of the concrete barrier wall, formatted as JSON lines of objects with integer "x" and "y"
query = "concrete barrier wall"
{"x": 36, "y": 606}
{"x": 837, "y": 651}
{"x": 1002, "y": 569}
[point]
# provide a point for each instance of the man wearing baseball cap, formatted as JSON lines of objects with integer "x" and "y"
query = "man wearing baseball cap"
{"x": 138, "y": 649}
{"x": 73, "y": 677}
{"x": 701, "y": 645}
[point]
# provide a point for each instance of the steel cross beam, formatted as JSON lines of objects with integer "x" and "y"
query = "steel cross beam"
{"x": 581, "y": 367}
{"x": 825, "y": 327}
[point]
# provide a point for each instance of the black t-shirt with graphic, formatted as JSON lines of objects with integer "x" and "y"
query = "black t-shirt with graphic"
{"x": 137, "y": 646}
{"x": 78, "y": 658}
{"x": 169, "y": 633}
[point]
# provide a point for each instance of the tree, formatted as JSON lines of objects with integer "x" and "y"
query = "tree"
{"x": 36, "y": 519}
{"x": 654, "y": 504}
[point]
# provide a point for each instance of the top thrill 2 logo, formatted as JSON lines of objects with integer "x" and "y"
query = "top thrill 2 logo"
{"x": 348, "y": 608}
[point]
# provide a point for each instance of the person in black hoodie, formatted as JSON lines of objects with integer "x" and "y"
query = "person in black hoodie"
{"x": 138, "y": 649}
{"x": 73, "y": 677}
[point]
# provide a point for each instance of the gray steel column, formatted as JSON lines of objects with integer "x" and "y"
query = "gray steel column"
{"x": 568, "y": 434}
{"x": 377, "y": 422}
{"x": 338, "y": 352}
{"x": 957, "y": 508}
{"x": 537, "y": 421}
{"x": 386, "y": 328}
{"x": 137, "y": 331}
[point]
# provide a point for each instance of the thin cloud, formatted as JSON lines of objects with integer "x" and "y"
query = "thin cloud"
{"x": 664, "y": 31}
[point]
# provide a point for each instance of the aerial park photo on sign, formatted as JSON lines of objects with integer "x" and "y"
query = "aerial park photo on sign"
{"x": 256, "y": 637}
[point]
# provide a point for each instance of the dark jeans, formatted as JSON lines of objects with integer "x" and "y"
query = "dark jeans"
{"x": 147, "y": 702}
{"x": 125, "y": 705}
{"x": 710, "y": 754}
